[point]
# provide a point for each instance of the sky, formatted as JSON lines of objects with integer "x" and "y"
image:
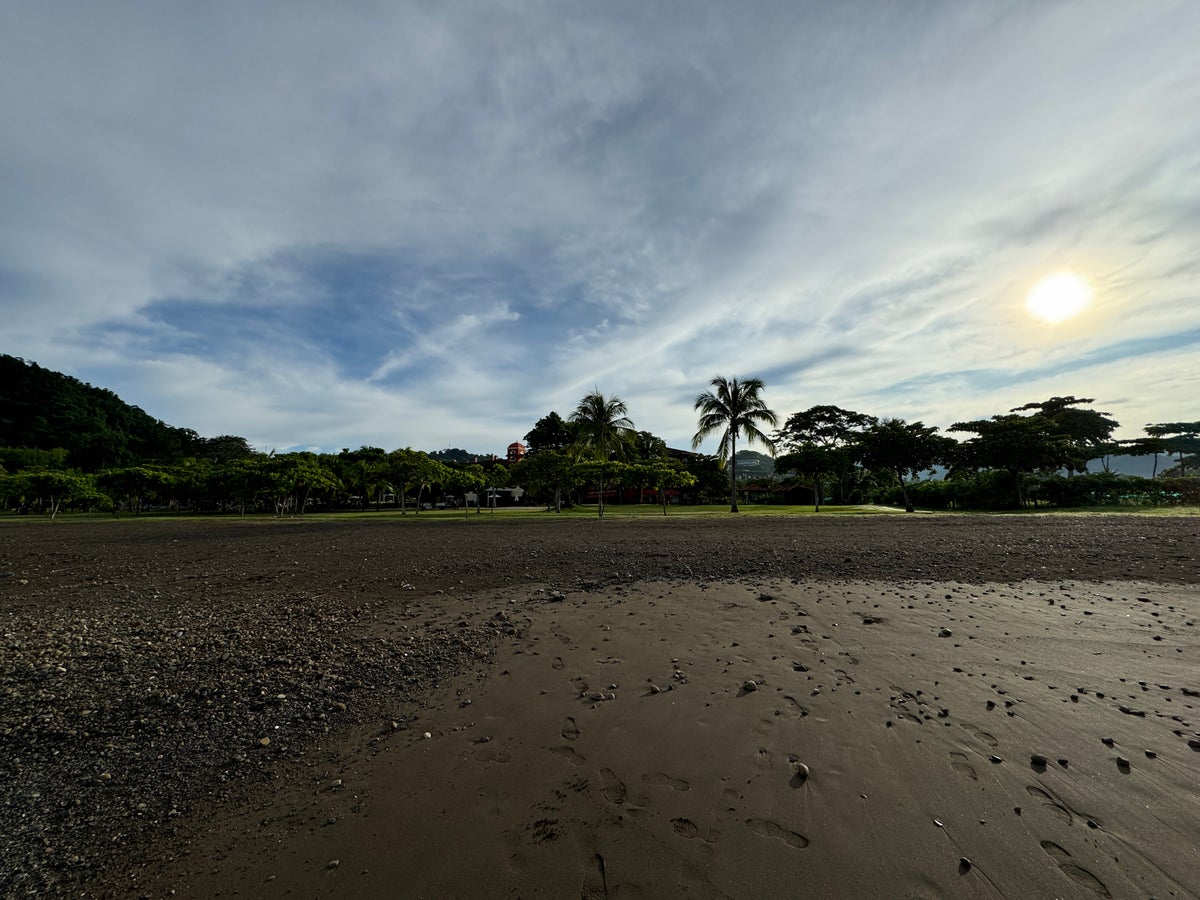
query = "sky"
{"x": 429, "y": 224}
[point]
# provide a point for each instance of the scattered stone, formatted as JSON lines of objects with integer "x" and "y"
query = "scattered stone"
{"x": 750, "y": 686}
{"x": 945, "y": 632}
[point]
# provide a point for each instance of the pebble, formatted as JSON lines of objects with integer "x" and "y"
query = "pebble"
{"x": 945, "y": 632}
{"x": 750, "y": 686}
{"x": 427, "y": 735}
{"x": 1037, "y": 759}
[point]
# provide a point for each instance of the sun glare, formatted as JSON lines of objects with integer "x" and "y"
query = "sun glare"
{"x": 1058, "y": 298}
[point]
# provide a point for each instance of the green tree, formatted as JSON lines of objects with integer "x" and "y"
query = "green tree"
{"x": 290, "y": 479}
{"x": 733, "y": 407}
{"x": 1082, "y": 433}
{"x": 52, "y": 488}
{"x": 135, "y": 485}
{"x": 1019, "y": 445}
{"x": 550, "y": 433}
{"x": 604, "y": 432}
{"x": 1180, "y": 438}
{"x": 903, "y": 448}
{"x": 1146, "y": 446}
{"x": 661, "y": 475}
{"x": 546, "y": 475}
{"x": 820, "y": 441}
{"x": 365, "y": 472}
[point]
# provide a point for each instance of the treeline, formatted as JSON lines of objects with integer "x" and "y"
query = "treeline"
{"x": 64, "y": 443}
{"x": 363, "y": 479}
{"x": 1035, "y": 455}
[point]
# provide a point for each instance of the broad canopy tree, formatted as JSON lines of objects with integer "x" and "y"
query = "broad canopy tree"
{"x": 903, "y": 448}
{"x": 733, "y": 406}
{"x": 820, "y": 441}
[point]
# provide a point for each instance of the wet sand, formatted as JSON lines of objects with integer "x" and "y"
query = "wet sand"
{"x": 900, "y": 707}
{"x": 766, "y": 740}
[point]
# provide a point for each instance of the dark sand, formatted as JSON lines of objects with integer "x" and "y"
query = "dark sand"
{"x": 899, "y": 707}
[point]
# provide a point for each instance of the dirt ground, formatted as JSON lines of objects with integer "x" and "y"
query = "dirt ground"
{"x": 203, "y": 706}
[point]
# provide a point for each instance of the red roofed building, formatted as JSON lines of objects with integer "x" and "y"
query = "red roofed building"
{"x": 516, "y": 452}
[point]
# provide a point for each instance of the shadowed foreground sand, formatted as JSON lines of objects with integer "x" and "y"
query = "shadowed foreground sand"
{"x": 762, "y": 738}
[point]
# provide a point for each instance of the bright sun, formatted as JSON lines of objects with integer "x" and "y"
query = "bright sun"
{"x": 1058, "y": 298}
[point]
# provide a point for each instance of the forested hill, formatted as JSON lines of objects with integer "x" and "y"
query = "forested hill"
{"x": 46, "y": 410}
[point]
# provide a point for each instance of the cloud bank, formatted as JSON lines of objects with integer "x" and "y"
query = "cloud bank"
{"x": 428, "y": 225}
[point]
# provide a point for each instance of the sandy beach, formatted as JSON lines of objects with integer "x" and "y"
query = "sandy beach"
{"x": 1013, "y": 714}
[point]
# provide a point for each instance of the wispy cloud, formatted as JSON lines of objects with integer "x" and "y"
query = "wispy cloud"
{"x": 420, "y": 225}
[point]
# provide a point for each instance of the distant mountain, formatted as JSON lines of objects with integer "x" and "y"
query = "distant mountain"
{"x": 752, "y": 465}
{"x": 45, "y": 410}
{"x": 1142, "y": 466}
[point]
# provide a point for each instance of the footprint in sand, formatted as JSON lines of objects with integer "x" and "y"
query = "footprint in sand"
{"x": 1057, "y": 810}
{"x": 661, "y": 778}
{"x": 595, "y": 880}
{"x": 770, "y": 829}
{"x": 612, "y": 787}
{"x": 1080, "y": 876}
{"x": 987, "y": 738}
{"x": 569, "y": 754}
{"x": 960, "y": 765}
{"x": 570, "y": 730}
{"x": 685, "y": 828}
{"x": 486, "y": 755}
{"x": 557, "y": 662}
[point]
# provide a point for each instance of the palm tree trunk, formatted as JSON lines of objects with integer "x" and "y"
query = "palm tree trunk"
{"x": 733, "y": 470}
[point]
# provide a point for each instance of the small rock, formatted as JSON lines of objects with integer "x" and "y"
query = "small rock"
{"x": 995, "y": 759}
{"x": 333, "y": 864}
{"x": 1037, "y": 759}
{"x": 945, "y": 632}
{"x": 264, "y": 742}
{"x": 750, "y": 686}
{"x": 427, "y": 735}
{"x": 964, "y": 864}
{"x": 1107, "y": 742}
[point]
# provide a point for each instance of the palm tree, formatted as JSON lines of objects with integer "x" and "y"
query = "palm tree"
{"x": 733, "y": 408}
{"x": 604, "y": 428}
